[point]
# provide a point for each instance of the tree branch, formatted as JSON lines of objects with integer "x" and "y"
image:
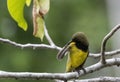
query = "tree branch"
{"x": 48, "y": 37}
{"x": 101, "y": 79}
{"x": 60, "y": 76}
{"x": 110, "y": 53}
{"x": 105, "y": 39}
{"x": 34, "y": 46}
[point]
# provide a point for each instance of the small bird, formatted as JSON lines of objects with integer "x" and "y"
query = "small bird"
{"x": 77, "y": 49}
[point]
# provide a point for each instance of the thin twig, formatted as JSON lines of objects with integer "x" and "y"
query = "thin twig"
{"x": 105, "y": 39}
{"x": 110, "y": 53}
{"x": 48, "y": 37}
{"x": 28, "y": 45}
{"x": 60, "y": 76}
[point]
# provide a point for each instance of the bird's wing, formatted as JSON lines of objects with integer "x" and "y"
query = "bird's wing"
{"x": 62, "y": 52}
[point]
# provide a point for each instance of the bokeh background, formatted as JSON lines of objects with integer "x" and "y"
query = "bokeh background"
{"x": 95, "y": 18}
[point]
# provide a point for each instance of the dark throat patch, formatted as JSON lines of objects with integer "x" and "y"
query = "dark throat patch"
{"x": 81, "y": 46}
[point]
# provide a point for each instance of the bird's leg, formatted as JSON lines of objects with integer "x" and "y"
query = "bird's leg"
{"x": 65, "y": 80}
{"x": 78, "y": 71}
{"x": 83, "y": 70}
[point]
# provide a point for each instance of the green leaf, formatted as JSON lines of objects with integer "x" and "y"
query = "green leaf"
{"x": 15, "y": 8}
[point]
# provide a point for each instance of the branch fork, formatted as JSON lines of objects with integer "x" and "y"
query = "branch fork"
{"x": 105, "y": 39}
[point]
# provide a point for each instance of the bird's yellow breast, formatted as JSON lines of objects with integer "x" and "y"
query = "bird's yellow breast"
{"x": 76, "y": 57}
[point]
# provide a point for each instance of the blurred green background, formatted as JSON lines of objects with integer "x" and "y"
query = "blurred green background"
{"x": 64, "y": 19}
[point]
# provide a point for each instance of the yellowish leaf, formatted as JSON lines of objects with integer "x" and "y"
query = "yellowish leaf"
{"x": 39, "y": 29}
{"x": 40, "y": 8}
{"x": 44, "y": 6}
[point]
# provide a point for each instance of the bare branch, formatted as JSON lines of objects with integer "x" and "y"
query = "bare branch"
{"x": 60, "y": 76}
{"x": 99, "y": 65}
{"x": 101, "y": 79}
{"x": 110, "y": 53}
{"x": 35, "y": 76}
{"x": 48, "y": 37}
{"x": 105, "y": 39}
{"x": 34, "y": 46}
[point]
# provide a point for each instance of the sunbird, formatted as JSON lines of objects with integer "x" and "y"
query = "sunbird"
{"x": 77, "y": 49}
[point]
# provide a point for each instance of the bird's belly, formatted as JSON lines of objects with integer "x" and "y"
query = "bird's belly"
{"x": 77, "y": 58}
